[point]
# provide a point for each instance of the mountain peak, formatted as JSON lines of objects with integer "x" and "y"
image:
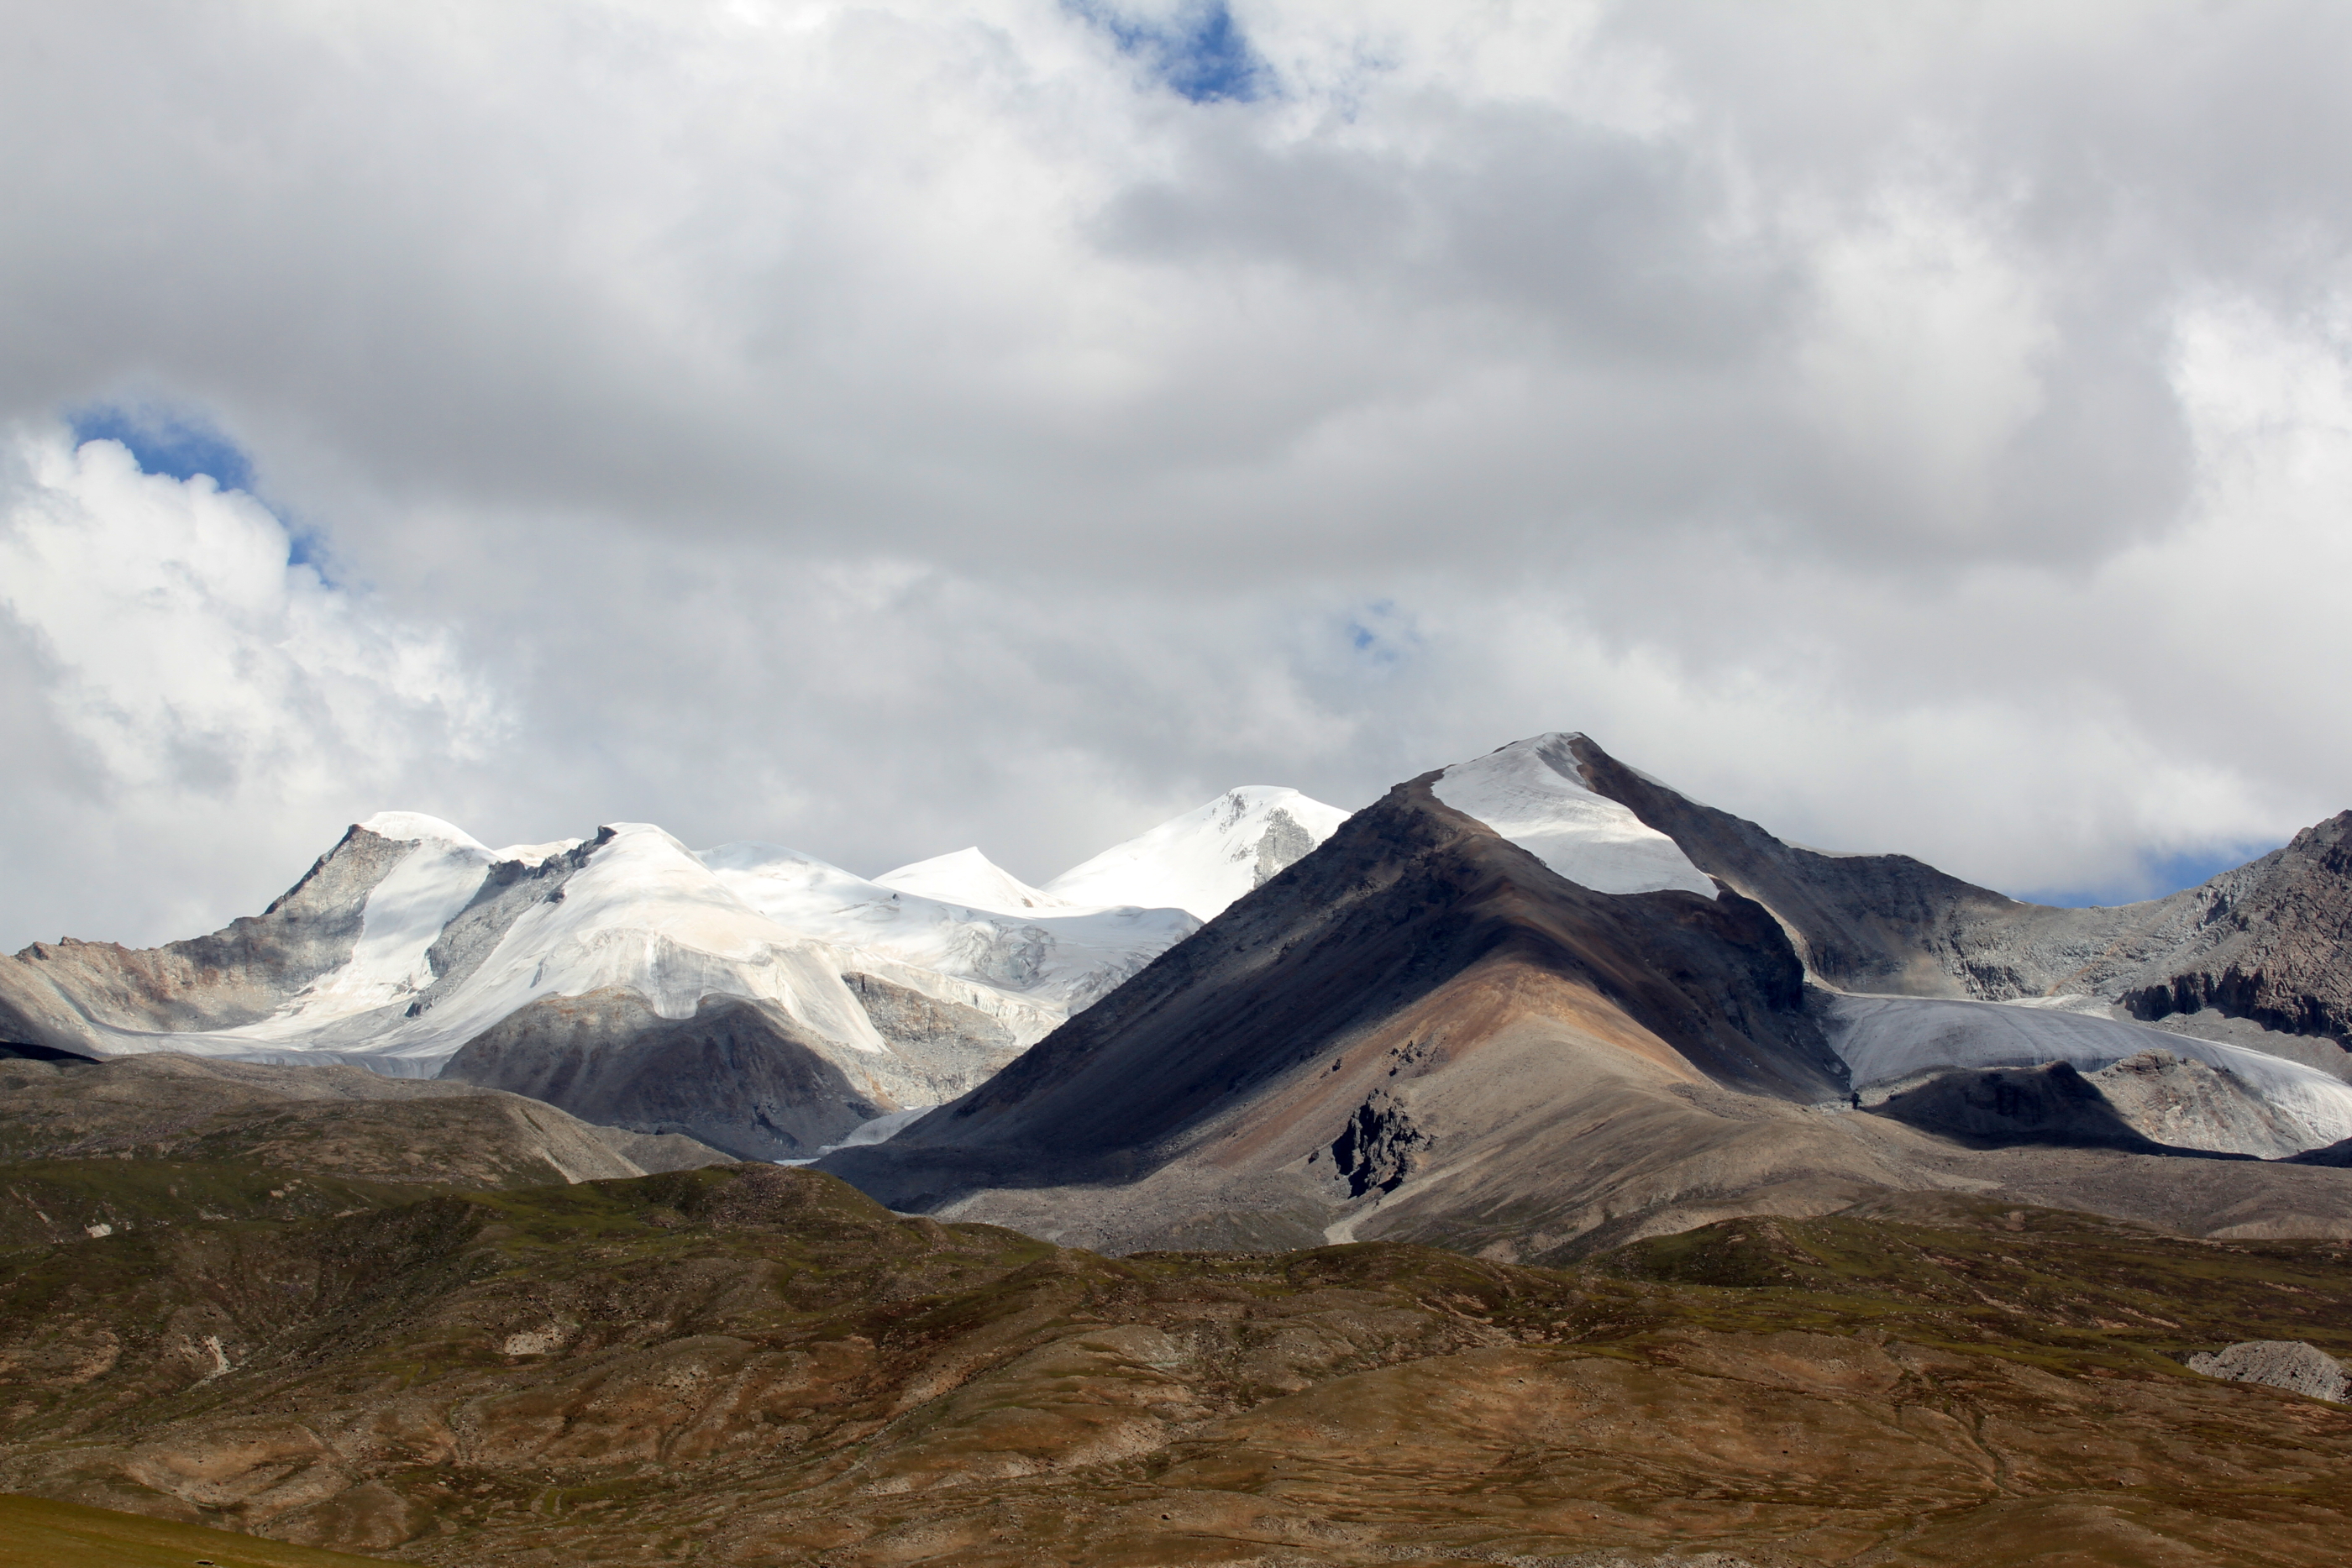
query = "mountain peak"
{"x": 969, "y": 878}
{"x": 1204, "y": 860}
{"x": 415, "y": 827}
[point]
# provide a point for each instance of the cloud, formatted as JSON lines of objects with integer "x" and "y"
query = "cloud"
{"x": 887, "y": 427}
{"x": 205, "y": 706}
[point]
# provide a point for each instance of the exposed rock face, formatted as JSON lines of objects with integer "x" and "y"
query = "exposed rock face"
{"x": 2277, "y": 952}
{"x": 1283, "y": 845}
{"x": 52, "y": 992}
{"x": 2269, "y": 941}
{"x": 2287, "y": 1364}
{"x": 736, "y": 1075}
{"x": 958, "y": 1046}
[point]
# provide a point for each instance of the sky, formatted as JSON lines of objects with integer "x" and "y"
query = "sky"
{"x": 883, "y": 428}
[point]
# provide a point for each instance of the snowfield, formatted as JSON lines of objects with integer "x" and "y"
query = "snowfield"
{"x": 1884, "y": 1040}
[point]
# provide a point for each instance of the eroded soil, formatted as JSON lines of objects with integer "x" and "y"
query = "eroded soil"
{"x": 754, "y": 1365}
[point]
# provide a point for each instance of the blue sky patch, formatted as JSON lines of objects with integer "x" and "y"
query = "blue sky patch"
{"x": 1198, "y": 51}
{"x": 166, "y": 441}
{"x": 1379, "y": 634}
{"x": 2161, "y": 874}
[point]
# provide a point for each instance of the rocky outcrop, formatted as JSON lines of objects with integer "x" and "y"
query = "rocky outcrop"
{"x": 2289, "y": 1364}
{"x": 2279, "y": 951}
{"x": 52, "y": 993}
{"x": 738, "y": 1076}
{"x": 1378, "y": 1148}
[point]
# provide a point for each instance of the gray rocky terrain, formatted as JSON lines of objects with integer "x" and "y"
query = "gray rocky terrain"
{"x": 738, "y": 1074}
{"x": 52, "y": 993}
{"x": 2288, "y": 1363}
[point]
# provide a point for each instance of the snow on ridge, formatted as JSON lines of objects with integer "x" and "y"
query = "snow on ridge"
{"x": 1204, "y": 860}
{"x": 406, "y": 827}
{"x": 969, "y": 878}
{"x": 1532, "y": 794}
{"x": 640, "y": 911}
{"x": 537, "y": 855}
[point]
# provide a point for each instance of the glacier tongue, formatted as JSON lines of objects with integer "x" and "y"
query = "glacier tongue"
{"x": 1888, "y": 1040}
{"x": 1531, "y": 793}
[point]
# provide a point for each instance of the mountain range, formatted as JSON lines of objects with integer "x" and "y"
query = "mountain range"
{"x": 1525, "y": 1004}
{"x": 748, "y": 995}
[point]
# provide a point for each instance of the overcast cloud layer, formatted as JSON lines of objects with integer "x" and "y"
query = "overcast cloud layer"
{"x": 880, "y": 429}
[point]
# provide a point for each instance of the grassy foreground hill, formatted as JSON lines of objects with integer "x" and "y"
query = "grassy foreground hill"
{"x": 756, "y": 1365}
{"x": 36, "y": 1532}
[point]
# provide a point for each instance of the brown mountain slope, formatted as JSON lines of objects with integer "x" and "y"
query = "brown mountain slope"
{"x": 339, "y": 1123}
{"x": 755, "y": 1368}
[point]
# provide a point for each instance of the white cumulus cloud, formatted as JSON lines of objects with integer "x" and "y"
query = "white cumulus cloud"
{"x": 202, "y": 704}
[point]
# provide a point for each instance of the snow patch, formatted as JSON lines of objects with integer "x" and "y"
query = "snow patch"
{"x": 1883, "y": 1039}
{"x": 1531, "y": 793}
{"x": 411, "y": 826}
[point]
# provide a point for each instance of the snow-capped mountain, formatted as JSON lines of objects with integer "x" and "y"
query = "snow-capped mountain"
{"x": 1042, "y": 962}
{"x": 1206, "y": 858}
{"x": 415, "y": 949}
